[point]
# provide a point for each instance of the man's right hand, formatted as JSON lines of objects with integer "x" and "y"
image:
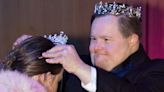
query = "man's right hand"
{"x": 20, "y": 39}
{"x": 70, "y": 60}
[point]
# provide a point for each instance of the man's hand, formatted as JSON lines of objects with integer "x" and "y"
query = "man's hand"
{"x": 65, "y": 55}
{"x": 68, "y": 57}
{"x": 20, "y": 39}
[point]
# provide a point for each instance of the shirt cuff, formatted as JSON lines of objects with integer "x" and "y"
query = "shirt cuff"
{"x": 91, "y": 86}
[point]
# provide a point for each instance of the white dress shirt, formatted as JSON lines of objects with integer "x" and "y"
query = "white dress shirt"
{"x": 91, "y": 86}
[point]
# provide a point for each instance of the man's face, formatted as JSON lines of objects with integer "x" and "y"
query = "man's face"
{"x": 108, "y": 47}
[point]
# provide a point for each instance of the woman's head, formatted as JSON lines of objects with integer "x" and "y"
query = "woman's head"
{"x": 25, "y": 57}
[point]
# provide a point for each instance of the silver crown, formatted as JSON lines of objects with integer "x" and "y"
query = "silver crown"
{"x": 58, "y": 39}
{"x": 117, "y": 9}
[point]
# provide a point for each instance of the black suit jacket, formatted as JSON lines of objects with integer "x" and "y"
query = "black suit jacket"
{"x": 137, "y": 74}
{"x": 140, "y": 74}
{"x": 71, "y": 83}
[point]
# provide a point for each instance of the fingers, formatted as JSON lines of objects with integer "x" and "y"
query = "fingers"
{"x": 49, "y": 78}
{"x": 56, "y": 60}
{"x": 35, "y": 78}
{"x": 52, "y": 54}
{"x": 65, "y": 55}
{"x": 55, "y": 55}
{"x": 57, "y": 48}
{"x": 20, "y": 39}
{"x": 48, "y": 81}
{"x": 44, "y": 78}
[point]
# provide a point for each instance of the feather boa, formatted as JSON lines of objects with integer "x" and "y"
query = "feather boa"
{"x": 13, "y": 81}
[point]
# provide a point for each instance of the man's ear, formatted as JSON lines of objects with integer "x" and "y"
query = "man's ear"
{"x": 133, "y": 40}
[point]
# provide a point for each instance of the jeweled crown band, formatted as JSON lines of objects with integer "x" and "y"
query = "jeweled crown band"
{"x": 117, "y": 9}
{"x": 57, "y": 39}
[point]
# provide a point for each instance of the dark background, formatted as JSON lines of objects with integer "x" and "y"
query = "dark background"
{"x": 39, "y": 17}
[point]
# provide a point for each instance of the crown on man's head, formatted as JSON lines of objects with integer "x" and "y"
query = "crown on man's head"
{"x": 117, "y": 9}
{"x": 58, "y": 39}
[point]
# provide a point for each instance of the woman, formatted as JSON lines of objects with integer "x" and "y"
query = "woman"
{"x": 27, "y": 58}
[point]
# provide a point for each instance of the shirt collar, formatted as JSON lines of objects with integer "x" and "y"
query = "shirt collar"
{"x": 132, "y": 61}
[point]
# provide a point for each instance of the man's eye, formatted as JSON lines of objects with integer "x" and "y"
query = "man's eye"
{"x": 93, "y": 38}
{"x": 106, "y": 39}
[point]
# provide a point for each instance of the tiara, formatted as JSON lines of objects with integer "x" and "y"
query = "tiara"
{"x": 57, "y": 39}
{"x": 117, "y": 9}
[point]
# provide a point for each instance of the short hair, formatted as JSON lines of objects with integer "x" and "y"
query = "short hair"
{"x": 25, "y": 57}
{"x": 128, "y": 25}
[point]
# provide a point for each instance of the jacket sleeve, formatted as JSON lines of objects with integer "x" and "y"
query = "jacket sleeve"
{"x": 149, "y": 79}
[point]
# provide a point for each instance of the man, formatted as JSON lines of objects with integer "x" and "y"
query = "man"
{"x": 120, "y": 63}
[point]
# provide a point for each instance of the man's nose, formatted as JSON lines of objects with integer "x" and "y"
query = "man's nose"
{"x": 98, "y": 46}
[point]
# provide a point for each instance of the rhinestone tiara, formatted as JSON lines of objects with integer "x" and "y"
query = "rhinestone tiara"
{"x": 58, "y": 39}
{"x": 117, "y": 9}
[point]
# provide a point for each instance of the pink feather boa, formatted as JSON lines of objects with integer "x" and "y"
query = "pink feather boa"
{"x": 13, "y": 81}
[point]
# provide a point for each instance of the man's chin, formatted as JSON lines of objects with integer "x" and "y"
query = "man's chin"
{"x": 104, "y": 68}
{"x": 99, "y": 59}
